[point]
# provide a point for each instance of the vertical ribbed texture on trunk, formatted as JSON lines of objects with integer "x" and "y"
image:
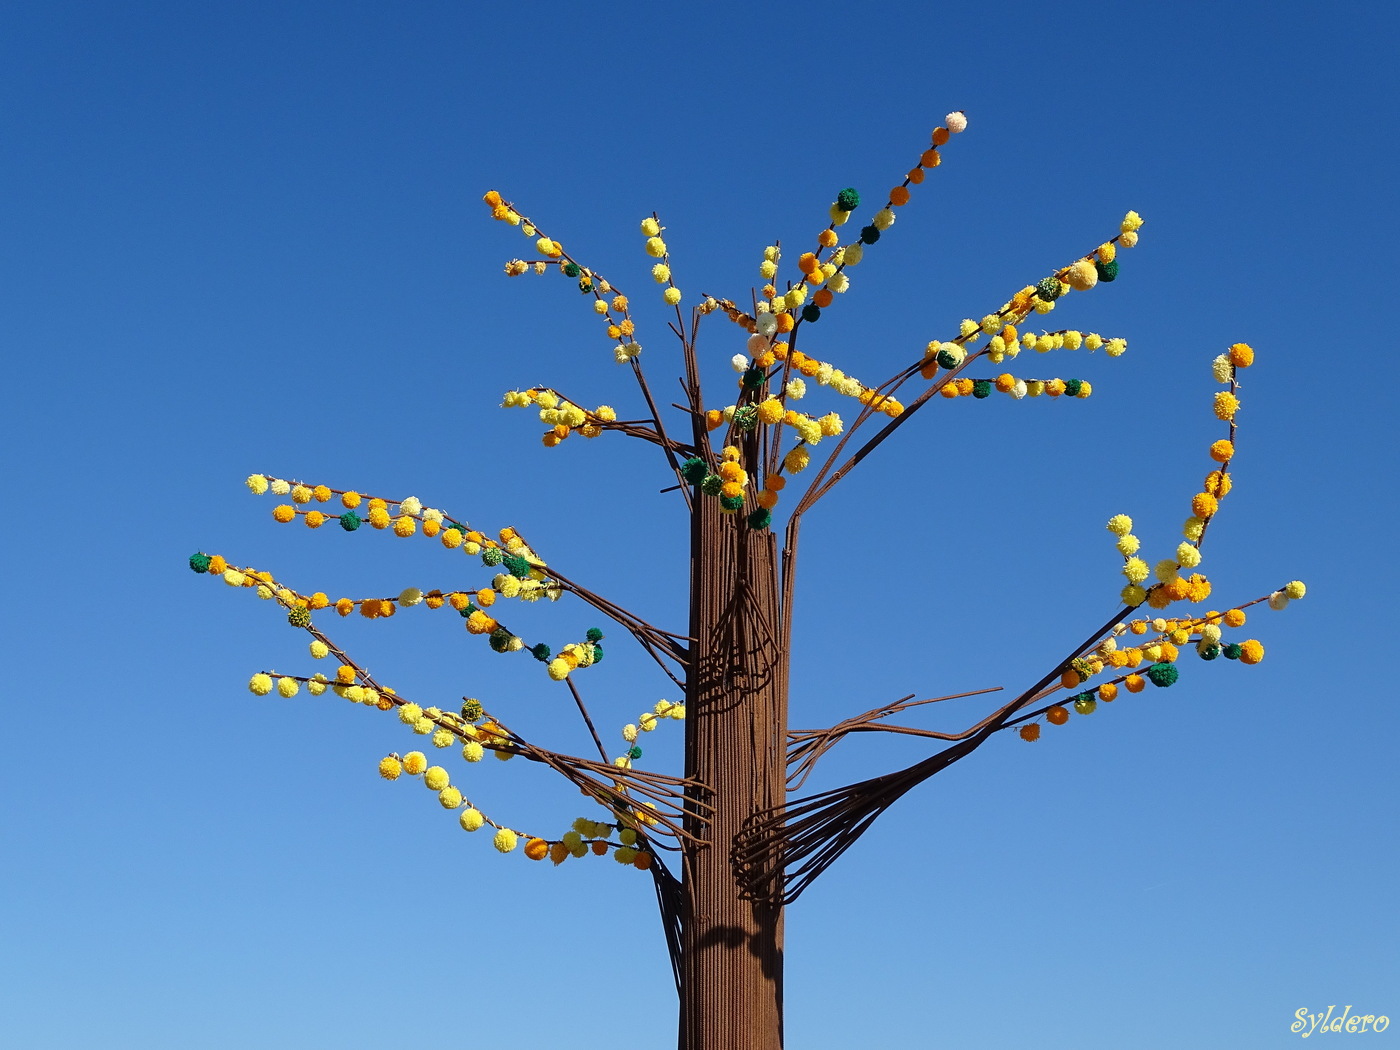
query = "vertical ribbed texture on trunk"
{"x": 736, "y": 727}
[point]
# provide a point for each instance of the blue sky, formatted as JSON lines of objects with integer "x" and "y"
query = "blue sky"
{"x": 248, "y": 238}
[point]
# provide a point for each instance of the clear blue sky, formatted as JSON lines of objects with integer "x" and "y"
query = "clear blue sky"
{"x": 248, "y": 237}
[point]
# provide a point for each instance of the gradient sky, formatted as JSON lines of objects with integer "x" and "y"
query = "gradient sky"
{"x": 248, "y": 238}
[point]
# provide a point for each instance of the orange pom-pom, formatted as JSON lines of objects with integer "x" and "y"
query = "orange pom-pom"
{"x": 1057, "y": 715}
{"x": 899, "y": 196}
{"x": 1204, "y": 505}
{"x": 1030, "y": 732}
{"x": 1241, "y": 355}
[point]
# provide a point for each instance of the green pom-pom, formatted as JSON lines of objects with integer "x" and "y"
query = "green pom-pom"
{"x": 634, "y": 752}
{"x": 499, "y": 639}
{"x": 711, "y": 484}
{"x": 1108, "y": 271}
{"x": 1049, "y": 289}
{"x": 541, "y": 653}
{"x": 492, "y": 556}
{"x": 1085, "y": 704}
{"x": 467, "y": 610}
{"x": 693, "y": 470}
{"x": 1081, "y": 667}
{"x": 981, "y": 388}
{"x": 746, "y": 418}
{"x": 597, "y": 653}
{"x": 811, "y": 312}
{"x": 594, "y": 634}
{"x": 585, "y": 285}
{"x": 949, "y": 357}
{"x": 1163, "y": 674}
{"x": 571, "y": 269}
{"x": 761, "y": 518}
{"x": 516, "y": 565}
{"x": 1208, "y": 652}
{"x": 1073, "y": 386}
{"x": 869, "y": 234}
{"x": 472, "y": 709}
{"x": 350, "y": 521}
{"x": 199, "y": 562}
{"x": 300, "y": 616}
{"x": 1231, "y": 651}
{"x": 848, "y": 199}
{"x": 732, "y": 502}
{"x": 752, "y": 377}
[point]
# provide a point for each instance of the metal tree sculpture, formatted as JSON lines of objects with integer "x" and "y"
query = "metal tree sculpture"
{"x": 742, "y": 850}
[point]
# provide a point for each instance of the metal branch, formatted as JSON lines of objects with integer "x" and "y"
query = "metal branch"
{"x": 588, "y": 721}
{"x": 669, "y": 901}
{"x": 648, "y": 635}
{"x": 667, "y": 445}
{"x": 778, "y": 854}
{"x": 806, "y": 746}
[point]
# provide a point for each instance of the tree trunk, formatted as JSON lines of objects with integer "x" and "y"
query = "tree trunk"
{"x": 736, "y": 728}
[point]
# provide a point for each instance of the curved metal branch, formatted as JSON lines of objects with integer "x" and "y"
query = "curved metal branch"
{"x": 668, "y": 641}
{"x": 779, "y": 853}
{"x": 806, "y": 746}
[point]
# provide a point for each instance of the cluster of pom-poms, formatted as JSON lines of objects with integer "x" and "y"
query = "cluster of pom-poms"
{"x": 608, "y": 303}
{"x": 561, "y": 415}
{"x": 521, "y": 572}
{"x": 478, "y": 734}
{"x": 729, "y": 483}
{"x": 645, "y": 723}
{"x": 478, "y": 737}
{"x": 1128, "y": 648}
{"x": 1170, "y": 584}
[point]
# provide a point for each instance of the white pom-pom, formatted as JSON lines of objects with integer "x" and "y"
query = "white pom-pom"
{"x": 956, "y": 121}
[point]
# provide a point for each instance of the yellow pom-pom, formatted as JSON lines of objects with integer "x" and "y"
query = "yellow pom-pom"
{"x": 504, "y": 840}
